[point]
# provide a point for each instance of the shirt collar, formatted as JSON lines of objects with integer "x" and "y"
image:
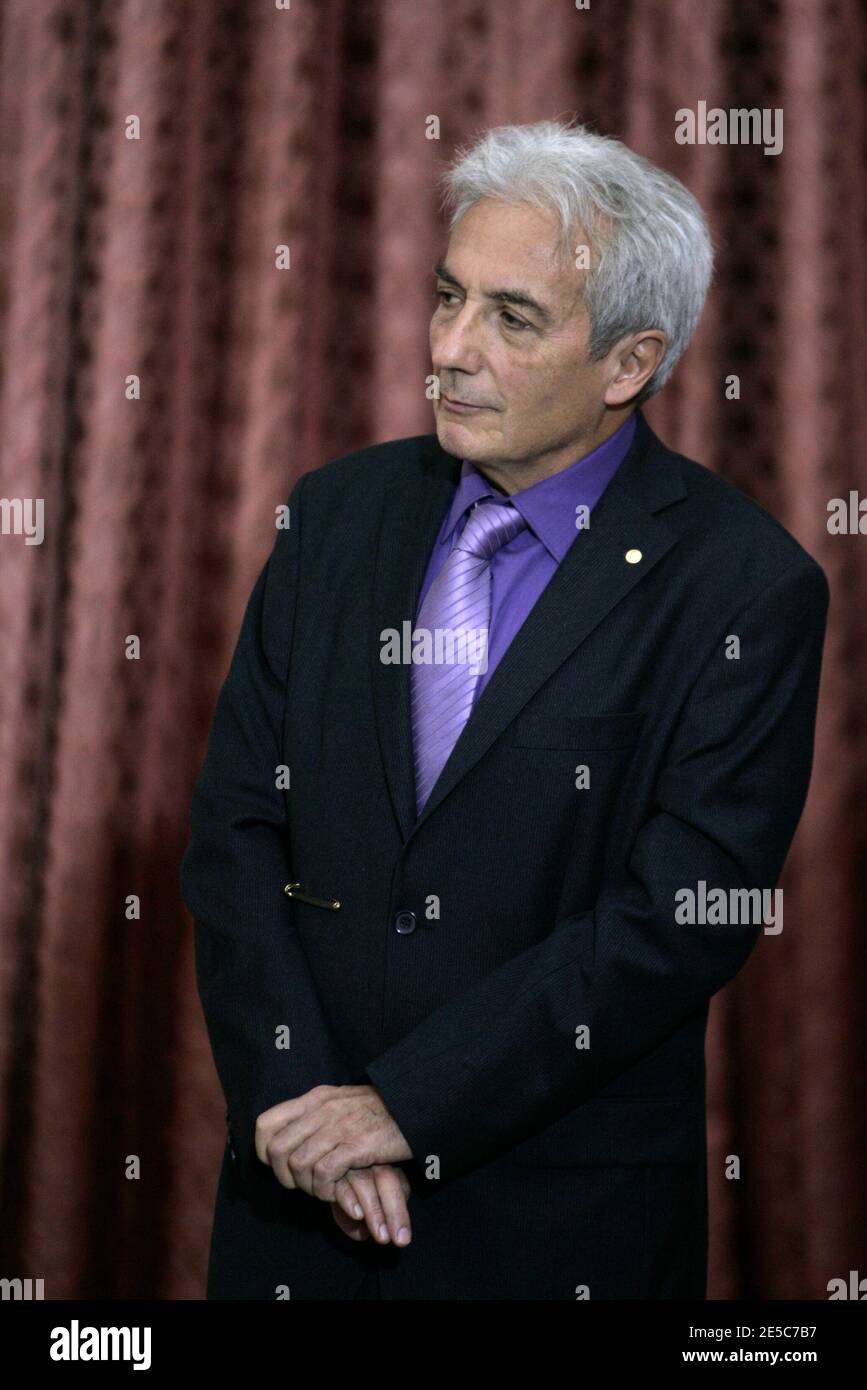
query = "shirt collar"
{"x": 549, "y": 506}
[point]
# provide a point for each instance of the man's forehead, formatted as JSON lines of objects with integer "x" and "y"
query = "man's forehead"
{"x": 516, "y": 232}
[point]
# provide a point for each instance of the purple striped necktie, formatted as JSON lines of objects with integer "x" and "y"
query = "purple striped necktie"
{"x": 458, "y": 606}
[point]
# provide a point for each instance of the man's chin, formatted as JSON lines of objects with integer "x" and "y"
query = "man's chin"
{"x": 465, "y": 440}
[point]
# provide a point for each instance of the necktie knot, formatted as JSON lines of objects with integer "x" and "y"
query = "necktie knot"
{"x": 489, "y": 526}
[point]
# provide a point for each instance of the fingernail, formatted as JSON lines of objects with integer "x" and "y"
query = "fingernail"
{"x": 402, "y": 1236}
{"x": 383, "y": 1233}
{"x": 357, "y": 1210}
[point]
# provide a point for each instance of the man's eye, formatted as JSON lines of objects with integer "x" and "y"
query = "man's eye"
{"x": 515, "y": 324}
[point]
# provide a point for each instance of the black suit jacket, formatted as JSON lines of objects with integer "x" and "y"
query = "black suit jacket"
{"x": 508, "y": 969}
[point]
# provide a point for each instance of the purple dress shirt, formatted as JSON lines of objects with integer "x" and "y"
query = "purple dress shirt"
{"x": 521, "y": 569}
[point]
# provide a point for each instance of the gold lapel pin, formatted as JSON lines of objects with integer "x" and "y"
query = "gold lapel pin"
{"x": 632, "y": 557}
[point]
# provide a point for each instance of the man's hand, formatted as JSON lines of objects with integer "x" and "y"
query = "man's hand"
{"x": 312, "y": 1141}
{"x": 372, "y": 1201}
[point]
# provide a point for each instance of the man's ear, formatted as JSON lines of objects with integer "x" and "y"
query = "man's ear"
{"x": 637, "y": 358}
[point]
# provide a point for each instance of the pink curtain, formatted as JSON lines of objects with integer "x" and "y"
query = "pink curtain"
{"x": 163, "y": 382}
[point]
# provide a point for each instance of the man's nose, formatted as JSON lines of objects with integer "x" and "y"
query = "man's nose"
{"x": 457, "y": 344}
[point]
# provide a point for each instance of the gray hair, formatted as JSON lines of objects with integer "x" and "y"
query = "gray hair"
{"x": 655, "y": 255}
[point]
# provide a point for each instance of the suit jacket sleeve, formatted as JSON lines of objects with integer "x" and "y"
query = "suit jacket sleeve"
{"x": 251, "y": 972}
{"x": 499, "y": 1061}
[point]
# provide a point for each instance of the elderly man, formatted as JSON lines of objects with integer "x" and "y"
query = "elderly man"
{"x": 506, "y": 700}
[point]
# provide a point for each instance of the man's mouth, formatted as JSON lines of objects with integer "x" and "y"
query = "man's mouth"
{"x": 461, "y": 406}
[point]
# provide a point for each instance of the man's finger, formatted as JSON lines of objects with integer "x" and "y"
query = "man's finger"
{"x": 392, "y": 1187}
{"x": 346, "y": 1199}
{"x": 405, "y": 1184}
{"x": 365, "y": 1187}
{"x": 356, "y": 1230}
{"x": 271, "y": 1136}
{"x": 303, "y": 1167}
{"x": 271, "y": 1121}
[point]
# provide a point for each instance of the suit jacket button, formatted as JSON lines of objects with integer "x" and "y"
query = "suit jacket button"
{"x": 404, "y": 922}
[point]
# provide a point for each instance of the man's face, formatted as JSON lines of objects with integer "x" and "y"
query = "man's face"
{"x": 527, "y": 366}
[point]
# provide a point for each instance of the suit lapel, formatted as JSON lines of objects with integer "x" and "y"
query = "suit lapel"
{"x": 417, "y": 498}
{"x": 593, "y": 576}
